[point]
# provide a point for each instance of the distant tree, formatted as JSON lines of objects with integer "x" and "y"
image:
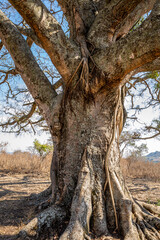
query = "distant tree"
{"x": 138, "y": 151}
{"x": 42, "y": 149}
{"x": 130, "y": 144}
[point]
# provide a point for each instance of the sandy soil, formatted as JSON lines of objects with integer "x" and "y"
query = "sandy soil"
{"x": 16, "y": 206}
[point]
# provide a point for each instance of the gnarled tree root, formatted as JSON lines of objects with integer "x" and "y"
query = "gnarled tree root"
{"x": 44, "y": 220}
{"x": 89, "y": 216}
{"x": 136, "y": 220}
{"x": 141, "y": 223}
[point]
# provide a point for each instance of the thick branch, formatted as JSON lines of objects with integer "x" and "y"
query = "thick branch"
{"x": 152, "y": 66}
{"x": 37, "y": 83}
{"x": 87, "y": 11}
{"x": 103, "y": 28}
{"x": 138, "y": 48}
{"x": 63, "y": 53}
{"x": 142, "y": 8}
{"x": 30, "y": 33}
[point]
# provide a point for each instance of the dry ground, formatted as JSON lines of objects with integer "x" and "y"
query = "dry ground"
{"x": 16, "y": 206}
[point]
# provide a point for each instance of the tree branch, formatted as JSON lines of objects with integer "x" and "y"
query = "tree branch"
{"x": 63, "y": 53}
{"x": 107, "y": 20}
{"x": 37, "y": 83}
{"x": 142, "y": 8}
{"x": 151, "y": 66}
{"x": 145, "y": 138}
{"x": 22, "y": 119}
{"x": 12, "y": 71}
{"x": 30, "y": 34}
{"x": 138, "y": 48}
{"x": 86, "y": 9}
{"x": 58, "y": 83}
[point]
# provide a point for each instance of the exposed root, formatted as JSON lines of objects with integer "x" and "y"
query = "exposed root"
{"x": 81, "y": 208}
{"x": 151, "y": 208}
{"x": 128, "y": 229}
{"x": 99, "y": 211}
{"x": 144, "y": 222}
{"x": 44, "y": 220}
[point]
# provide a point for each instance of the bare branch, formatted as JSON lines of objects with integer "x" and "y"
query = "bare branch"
{"x": 145, "y": 138}
{"x": 151, "y": 66}
{"x": 58, "y": 84}
{"x": 107, "y": 20}
{"x": 22, "y": 119}
{"x": 12, "y": 71}
{"x": 63, "y": 53}
{"x": 30, "y": 34}
{"x": 37, "y": 83}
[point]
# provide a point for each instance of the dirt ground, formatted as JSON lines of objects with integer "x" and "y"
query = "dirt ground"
{"x": 16, "y": 206}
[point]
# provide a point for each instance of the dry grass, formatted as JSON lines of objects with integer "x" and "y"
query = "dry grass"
{"x": 138, "y": 168}
{"x": 24, "y": 162}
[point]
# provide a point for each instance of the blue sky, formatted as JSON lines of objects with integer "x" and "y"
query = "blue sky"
{"x": 23, "y": 141}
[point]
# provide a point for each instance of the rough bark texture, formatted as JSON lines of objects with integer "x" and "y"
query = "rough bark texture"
{"x": 79, "y": 191}
{"x": 89, "y": 196}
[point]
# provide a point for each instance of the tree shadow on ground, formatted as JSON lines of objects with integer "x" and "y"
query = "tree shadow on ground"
{"x": 16, "y": 205}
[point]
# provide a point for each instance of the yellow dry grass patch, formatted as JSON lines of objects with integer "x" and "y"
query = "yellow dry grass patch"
{"x": 140, "y": 169}
{"x": 24, "y": 162}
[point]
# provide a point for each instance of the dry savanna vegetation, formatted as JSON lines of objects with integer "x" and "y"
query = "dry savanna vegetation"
{"x": 25, "y": 162}
{"x": 24, "y": 174}
{"x": 139, "y": 168}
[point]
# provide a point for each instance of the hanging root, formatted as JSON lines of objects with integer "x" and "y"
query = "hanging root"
{"x": 43, "y": 221}
{"x": 108, "y": 180}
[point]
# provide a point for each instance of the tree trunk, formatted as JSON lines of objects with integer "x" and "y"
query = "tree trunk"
{"x": 87, "y": 184}
{"x": 89, "y": 194}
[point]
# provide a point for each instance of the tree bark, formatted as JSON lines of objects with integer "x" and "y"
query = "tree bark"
{"x": 88, "y": 189}
{"x": 89, "y": 195}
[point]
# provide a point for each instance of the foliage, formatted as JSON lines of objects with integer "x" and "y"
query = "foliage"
{"x": 42, "y": 149}
{"x": 139, "y": 150}
{"x": 158, "y": 203}
{"x": 128, "y": 142}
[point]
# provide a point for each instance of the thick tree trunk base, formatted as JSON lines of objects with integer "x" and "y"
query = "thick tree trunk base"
{"x": 88, "y": 219}
{"x": 138, "y": 223}
{"x": 84, "y": 205}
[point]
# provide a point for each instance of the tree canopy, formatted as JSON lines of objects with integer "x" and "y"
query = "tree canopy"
{"x": 19, "y": 111}
{"x": 78, "y": 60}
